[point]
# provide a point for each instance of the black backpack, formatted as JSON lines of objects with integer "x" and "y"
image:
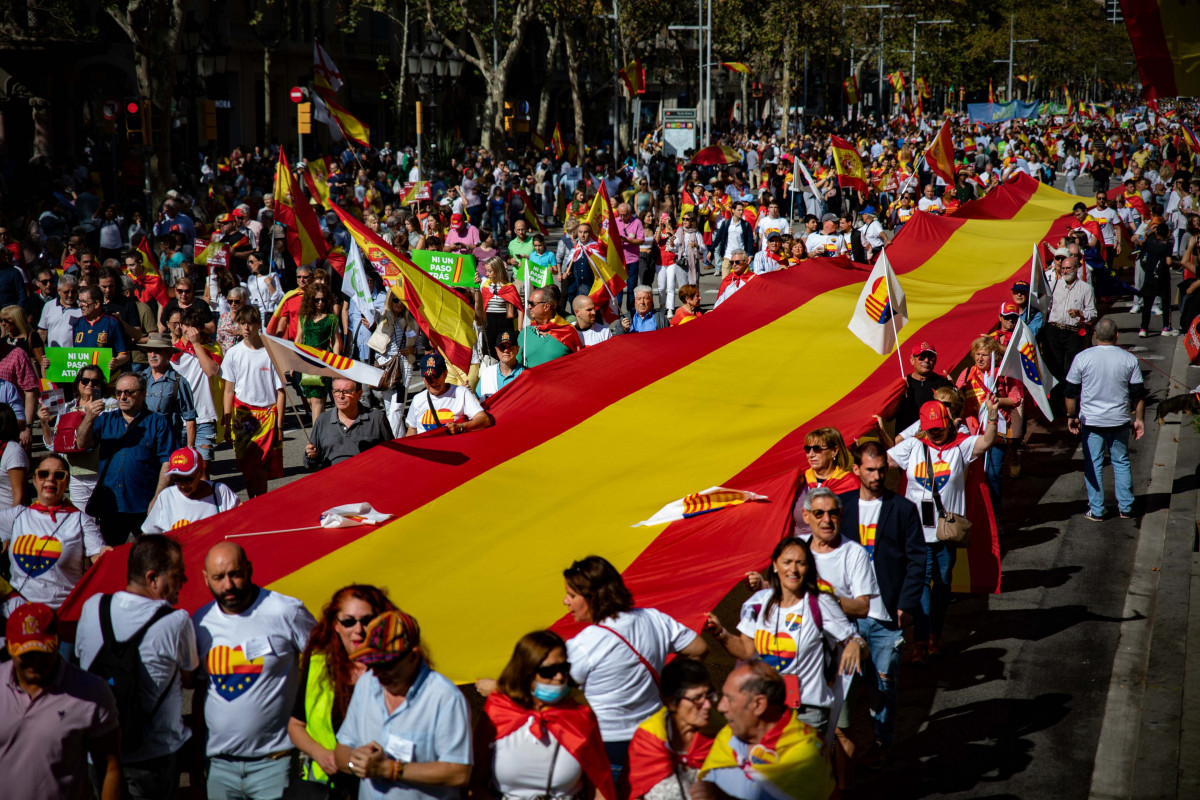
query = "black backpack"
{"x": 118, "y": 663}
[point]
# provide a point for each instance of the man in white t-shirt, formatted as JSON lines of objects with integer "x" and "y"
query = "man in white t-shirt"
{"x": 1102, "y": 383}
{"x": 184, "y": 496}
{"x": 590, "y": 331}
{"x": 1108, "y": 218}
{"x": 771, "y": 221}
{"x": 199, "y": 362}
{"x": 249, "y": 640}
{"x": 889, "y": 527}
{"x": 873, "y": 234}
{"x": 443, "y": 404}
{"x": 828, "y": 242}
{"x": 929, "y": 203}
{"x": 59, "y": 315}
{"x": 167, "y": 653}
{"x": 253, "y": 405}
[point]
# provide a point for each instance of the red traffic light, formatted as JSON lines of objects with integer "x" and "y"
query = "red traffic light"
{"x": 132, "y": 107}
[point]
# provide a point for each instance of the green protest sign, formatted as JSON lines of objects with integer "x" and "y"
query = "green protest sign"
{"x": 538, "y": 276}
{"x": 452, "y": 269}
{"x": 66, "y": 361}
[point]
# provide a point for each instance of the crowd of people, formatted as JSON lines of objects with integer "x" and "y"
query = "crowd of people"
{"x": 348, "y": 703}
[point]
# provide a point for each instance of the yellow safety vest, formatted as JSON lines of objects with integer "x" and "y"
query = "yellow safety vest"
{"x": 318, "y": 714}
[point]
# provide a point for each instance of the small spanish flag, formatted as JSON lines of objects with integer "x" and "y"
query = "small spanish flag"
{"x": 557, "y": 141}
{"x": 850, "y": 172}
{"x": 634, "y": 76}
{"x": 148, "y": 257}
{"x": 736, "y": 66}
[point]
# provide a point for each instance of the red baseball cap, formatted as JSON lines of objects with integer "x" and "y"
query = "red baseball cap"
{"x": 923, "y": 347}
{"x": 1009, "y": 310}
{"x": 934, "y": 415}
{"x": 32, "y": 628}
{"x": 456, "y": 220}
{"x": 184, "y": 462}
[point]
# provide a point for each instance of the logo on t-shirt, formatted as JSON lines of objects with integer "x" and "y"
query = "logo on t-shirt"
{"x": 36, "y": 554}
{"x": 444, "y": 414}
{"x": 941, "y": 475}
{"x": 777, "y": 650}
{"x": 231, "y": 673}
{"x": 762, "y": 755}
{"x": 866, "y": 536}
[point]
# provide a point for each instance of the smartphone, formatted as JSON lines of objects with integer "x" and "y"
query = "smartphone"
{"x": 928, "y": 517}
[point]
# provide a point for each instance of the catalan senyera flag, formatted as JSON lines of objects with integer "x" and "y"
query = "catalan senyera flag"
{"x": 325, "y": 72}
{"x": 716, "y": 498}
{"x": 610, "y": 272}
{"x": 557, "y": 141}
{"x": 291, "y": 357}
{"x": 940, "y": 155}
{"x": 531, "y": 216}
{"x": 1166, "y": 42}
{"x": 351, "y": 126}
{"x": 850, "y": 89}
{"x": 149, "y": 260}
{"x": 634, "y": 76}
{"x": 850, "y": 171}
{"x": 728, "y": 359}
{"x": 736, "y": 66}
{"x": 316, "y": 177}
{"x": 305, "y": 242}
{"x": 443, "y": 316}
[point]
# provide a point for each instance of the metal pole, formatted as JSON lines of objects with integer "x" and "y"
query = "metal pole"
{"x": 616, "y": 147}
{"x": 912, "y": 75}
{"x": 805, "y": 93}
{"x": 881, "y": 65}
{"x": 708, "y": 81}
{"x": 845, "y": 103}
{"x": 1008, "y": 95}
{"x": 700, "y": 69}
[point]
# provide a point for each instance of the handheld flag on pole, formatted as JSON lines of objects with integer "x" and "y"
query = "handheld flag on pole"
{"x": 325, "y": 72}
{"x": 291, "y": 357}
{"x": 321, "y": 113}
{"x": 610, "y": 272}
{"x": 557, "y": 141}
{"x": 351, "y": 126}
{"x": 149, "y": 261}
{"x": 881, "y": 310}
{"x": 849, "y": 166}
{"x": 1039, "y": 292}
{"x": 991, "y": 93}
{"x": 357, "y": 286}
{"x": 736, "y": 66}
{"x": 940, "y": 155}
{"x": 1189, "y": 138}
{"x": 316, "y": 178}
{"x": 442, "y": 315}
{"x": 716, "y": 498}
{"x": 1023, "y": 362}
{"x": 634, "y": 76}
{"x": 850, "y": 88}
{"x": 531, "y": 214}
{"x": 305, "y": 242}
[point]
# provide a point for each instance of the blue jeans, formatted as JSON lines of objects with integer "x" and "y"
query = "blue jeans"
{"x": 618, "y": 757}
{"x": 263, "y": 779}
{"x": 1115, "y": 443}
{"x": 993, "y": 467}
{"x": 935, "y": 596}
{"x": 885, "y": 646}
{"x": 206, "y": 439}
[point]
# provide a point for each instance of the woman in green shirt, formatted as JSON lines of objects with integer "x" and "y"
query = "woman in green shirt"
{"x": 318, "y": 328}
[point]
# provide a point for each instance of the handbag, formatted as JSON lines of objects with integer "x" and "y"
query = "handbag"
{"x": 953, "y": 529}
{"x": 391, "y": 373}
{"x": 65, "y": 438}
{"x": 382, "y": 335}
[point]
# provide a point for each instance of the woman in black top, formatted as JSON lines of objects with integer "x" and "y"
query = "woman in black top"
{"x": 1156, "y": 264}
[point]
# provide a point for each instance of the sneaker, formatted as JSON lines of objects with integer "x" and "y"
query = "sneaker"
{"x": 1136, "y": 307}
{"x": 1142, "y": 334}
{"x": 1170, "y": 332}
{"x": 1092, "y": 517}
{"x": 1127, "y": 514}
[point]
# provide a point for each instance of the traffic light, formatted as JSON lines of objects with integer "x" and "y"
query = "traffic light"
{"x": 208, "y": 120}
{"x": 305, "y": 115}
{"x": 137, "y": 131}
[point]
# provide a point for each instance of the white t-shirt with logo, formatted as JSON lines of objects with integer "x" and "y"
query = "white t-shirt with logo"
{"x": 172, "y": 510}
{"x": 949, "y": 469}
{"x": 824, "y": 245}
{"x": 254, "y": 378}
{"x": 788, "y": 639}
{"x": 848, "y": 569}
{"x": 868, "y": 521}
{"x": 458, "y": 404}
{"x": 249, "y": 661}
{"x": 188, "y": 367}
{"x": 46, "y": 553}
{"x": 168, "y": 649}
{"x": 1107, "y": 218}
{"x": 617, "y": 685}
{"x": 931, "y": 205}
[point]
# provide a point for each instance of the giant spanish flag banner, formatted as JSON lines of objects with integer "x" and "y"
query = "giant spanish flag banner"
{"x": 451, "y": 560}
{"x": 305, "y": 241}
{"x": 1166, "y": 42}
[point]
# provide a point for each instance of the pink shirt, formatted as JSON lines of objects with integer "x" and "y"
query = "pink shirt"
{"x": 631, "y": 230}
{"x": 469, "y": 238}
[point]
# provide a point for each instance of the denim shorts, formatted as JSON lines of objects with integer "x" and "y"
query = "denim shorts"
{"x": 206, "y": 439}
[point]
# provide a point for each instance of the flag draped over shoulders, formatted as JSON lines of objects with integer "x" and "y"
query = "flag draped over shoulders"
{"x": 789, "y": 763}
{"x": 651, "y": 758}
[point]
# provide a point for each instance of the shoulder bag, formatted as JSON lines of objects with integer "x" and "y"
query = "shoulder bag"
{"x": 65, "y": 440}
{"x": 649, "y": 667}
{"x": 953, "y": 529}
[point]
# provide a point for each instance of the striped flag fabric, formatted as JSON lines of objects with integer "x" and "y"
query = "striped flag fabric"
{"x": 351, "y": 126}
{"x": 531, "y": 214}
{"x": 557, "y": 141}
{"x": 148, "y": 257}
{"x": 881, "y": 310}
{"x": 610, "y": 272}
{"x": 736, "y": 66}
{"x": 325, "y": 72}
{"x": 291, "y": 357}
{"x": 443, "y": 316}
{"x": 940, "y": 155}
{"x": 714, "y": 498}
{"x": 634, "y": 77}
{"x": 849, "y": 166}
{"x": 304, "y": 239}
{"x": 316, "y": 178}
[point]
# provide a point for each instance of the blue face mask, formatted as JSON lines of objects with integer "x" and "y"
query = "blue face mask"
{"x": 550, "y": 692}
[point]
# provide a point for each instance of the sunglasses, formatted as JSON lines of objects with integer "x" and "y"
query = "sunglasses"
{"x": 551, "y": 671}
{"x": 90, "y": 382}
{"x": 127, "y": 392}
{"x": 533, "y": 304}
{"x": 350, "y": 622}
{"x": 59, "y": 475}
{"x": 821, "y": 513}
{"x": 816, "y": 448}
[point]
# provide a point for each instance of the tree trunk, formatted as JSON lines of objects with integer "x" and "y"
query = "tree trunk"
{"x": 785, "y": 86}
{"x": 267, "y": 91}
{"x": 554, "y": 36}
{"x": 499, "y": 85}
{"x": 403, "y": 68}
{"x": 487, "y": 119}
{"x": 576, "y": 95}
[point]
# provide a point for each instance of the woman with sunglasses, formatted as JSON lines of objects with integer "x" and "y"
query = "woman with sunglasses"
{"x": 829, "y": 465}
{"x": 84, "y": 465}
{"x": 534, "y": 740}
{"x": 669, "y": 748}
{"x": 229, "y": 332}
{"x": 318, "y": 328}
{"x": 327, "y": 679}
{"x": 940, "y": 445}
{"x": 51, "y": 543}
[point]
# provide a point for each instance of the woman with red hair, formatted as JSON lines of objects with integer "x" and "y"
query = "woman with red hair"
{"x": 327, "y": 678}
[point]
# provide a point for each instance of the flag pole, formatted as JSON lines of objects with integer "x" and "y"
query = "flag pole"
{"x": 895, "y": 330}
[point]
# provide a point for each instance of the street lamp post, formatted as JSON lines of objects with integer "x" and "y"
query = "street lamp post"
{"x": 913, "y": 76}
{"x": 432, "y": 73}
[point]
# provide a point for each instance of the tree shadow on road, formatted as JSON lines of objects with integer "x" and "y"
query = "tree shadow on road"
{"x": 1019, "y": 580}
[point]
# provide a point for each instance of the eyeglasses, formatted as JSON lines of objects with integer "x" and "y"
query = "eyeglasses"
{"x": 344, "y": 392}
{"x": 821, "y": 513}
{"x": 350, "y": 622}
{"x": 235, "y": 302}
{"x": 59, "y": 475}
{"x": 816, "y": 448}
{"x": 506, "y": 347}
{"x": 178, "y": 290}
{"x": 736, "y": 261}
{"x": 127, "y": 392}
{"x": 551, "y": 671}
{"x": 45, "y": 281}
{"x": 710, "y": 697}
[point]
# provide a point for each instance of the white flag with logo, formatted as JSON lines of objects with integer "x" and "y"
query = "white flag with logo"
{"x": 1023, "y": 362}
{"x": 356, "y": 286}
{"x": 1039, "y": 292}
{"x": 881, "y": 310}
